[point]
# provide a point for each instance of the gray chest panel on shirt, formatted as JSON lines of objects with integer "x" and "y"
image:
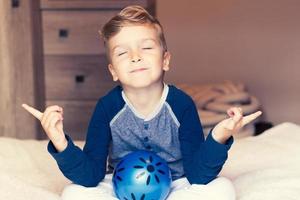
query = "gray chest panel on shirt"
{"x": 159, "y": 134}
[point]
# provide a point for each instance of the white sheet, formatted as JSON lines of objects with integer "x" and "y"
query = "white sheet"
{"x": 267, "y": 166}
{"x": 263, "y": 167}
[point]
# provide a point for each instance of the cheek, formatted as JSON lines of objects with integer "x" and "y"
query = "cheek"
{"x": 154, "y": 57}
{"x": 120, "y": 60}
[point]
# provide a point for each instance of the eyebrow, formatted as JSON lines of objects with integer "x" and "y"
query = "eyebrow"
{"x": 142, "y": 40}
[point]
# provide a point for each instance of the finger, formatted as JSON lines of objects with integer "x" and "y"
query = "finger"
{"x": 54, "y": 120}
{"x": 50, "y": 109}
{"x": 53, "y": 108}
{"x": 241, "y": 110}
{"x": 230, "y": 112}
{"x": 52, "y": 129}
{"x": 235, "y": 114}
{"x": 47, "y": 120}
{"x": 36, "y": 113}
{"x": 249, "y": 118}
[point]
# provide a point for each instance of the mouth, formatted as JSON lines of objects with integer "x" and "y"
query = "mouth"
{"x": 138, "y": 70}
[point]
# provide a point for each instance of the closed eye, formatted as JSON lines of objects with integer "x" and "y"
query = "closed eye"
{"x": 120, "y": 54}
{"x": 147, "y": 48}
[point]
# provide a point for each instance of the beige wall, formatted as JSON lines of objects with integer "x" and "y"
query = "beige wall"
{"x": 257, "y": 42}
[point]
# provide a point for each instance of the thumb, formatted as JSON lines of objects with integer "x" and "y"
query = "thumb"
{"x": 36, "y": 113}
{"x": 249, "y": 118}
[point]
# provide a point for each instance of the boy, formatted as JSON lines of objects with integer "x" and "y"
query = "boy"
{"x": 142, "y": 113}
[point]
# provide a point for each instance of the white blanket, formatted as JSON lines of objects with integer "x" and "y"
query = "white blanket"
{"x": 263, "y": 167}
{"x": 267, "y": 166}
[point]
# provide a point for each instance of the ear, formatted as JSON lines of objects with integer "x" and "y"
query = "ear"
{"x": 166, "y": 61}
{"x": 113, "y": 72}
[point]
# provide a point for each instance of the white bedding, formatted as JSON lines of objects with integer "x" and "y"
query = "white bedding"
{"x": 262, "y": 168}
{"x": 267, "y": 166}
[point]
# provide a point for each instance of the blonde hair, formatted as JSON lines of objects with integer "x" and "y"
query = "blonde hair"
{"x": 131, "y": 15}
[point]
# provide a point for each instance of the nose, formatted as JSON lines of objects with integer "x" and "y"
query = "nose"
{"x": 136, "y": 60}
{"x": 135, "y": 57}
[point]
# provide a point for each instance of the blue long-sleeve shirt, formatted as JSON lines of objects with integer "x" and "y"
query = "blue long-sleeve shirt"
{"x": 173, "y": 131}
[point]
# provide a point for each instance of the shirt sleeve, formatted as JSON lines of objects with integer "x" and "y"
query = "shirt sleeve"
{"x": 202, "y": 159}
{"x": 86, "y": 167}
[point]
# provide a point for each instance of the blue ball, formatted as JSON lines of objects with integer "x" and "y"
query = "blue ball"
{"x": 142, "y": 175}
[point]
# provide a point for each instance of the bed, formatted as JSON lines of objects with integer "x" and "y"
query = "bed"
{"x": 261, "y": 167}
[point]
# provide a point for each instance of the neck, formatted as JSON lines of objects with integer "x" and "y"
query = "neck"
{"x": 145, "y": 100}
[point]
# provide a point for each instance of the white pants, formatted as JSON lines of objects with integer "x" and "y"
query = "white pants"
{"x": 219, "y": 189}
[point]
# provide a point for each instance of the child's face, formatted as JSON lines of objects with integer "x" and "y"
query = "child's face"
{"x": 137, "y": 57}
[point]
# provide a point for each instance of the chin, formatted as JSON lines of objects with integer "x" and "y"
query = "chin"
{"x": 142, "y": 85}
{"x": 143, "y": 82}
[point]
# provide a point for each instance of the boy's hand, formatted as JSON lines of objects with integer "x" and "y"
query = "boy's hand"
{"x": 228, "y": 127}
{"x": 51, "y": 121}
